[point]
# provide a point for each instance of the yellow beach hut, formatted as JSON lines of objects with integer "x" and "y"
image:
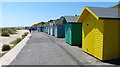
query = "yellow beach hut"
{"x": 101, "y": 32}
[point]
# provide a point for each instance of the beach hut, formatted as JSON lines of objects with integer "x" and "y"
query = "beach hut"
{"x": 73, "y": 31}
{"x": 101, "y": 32}
{"x": 51, "y": 28}
{"x": 40, "y": 28}
{"x": 59, "y": 28}
{"x": 44, "y": 28}
{"x": 47, "y": 28}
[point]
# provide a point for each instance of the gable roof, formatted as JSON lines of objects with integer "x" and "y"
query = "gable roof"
{"x": 57, "y": 22}
{"x": 70, "y": 19}
{"x": 99, "y": 13}
{"x": 105, "y": 12}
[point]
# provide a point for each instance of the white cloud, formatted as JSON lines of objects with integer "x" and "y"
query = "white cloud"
{"x": 60, "y": 0}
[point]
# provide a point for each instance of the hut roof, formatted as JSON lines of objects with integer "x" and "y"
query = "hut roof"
{"x": 57, "y": 22}
{"x": 99, "y": 13}
{"x": 71, "y": 19}
{"x": 105, "y": 12}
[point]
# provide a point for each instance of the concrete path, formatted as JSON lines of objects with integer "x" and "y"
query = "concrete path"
{"x": 43, "y": 49}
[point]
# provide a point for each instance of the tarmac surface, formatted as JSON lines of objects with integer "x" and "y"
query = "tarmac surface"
{"x": 42, "y": 49}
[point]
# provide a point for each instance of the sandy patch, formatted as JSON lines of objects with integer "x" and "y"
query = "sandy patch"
{"x": 7, "y": 40}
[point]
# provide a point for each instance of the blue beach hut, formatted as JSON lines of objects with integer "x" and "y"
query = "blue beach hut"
{"x": 46, "y": 28}
{"x": 40, "y": 28}
{"x": 59, "y": 28}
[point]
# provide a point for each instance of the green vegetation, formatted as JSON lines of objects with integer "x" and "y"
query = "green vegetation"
{"x": 1, "y": 54}
{"x": 24, "y": 35}
{"x": 12, "y": 31}
{"x": 40, "y": 23}
{"x": 17, "y": 28}
{"x": 116, "y": 6}
{"x": 5, "y": 47}
{"x": 8, "y": 31}
{"x": 5, "y": 33}
{"x": 16, "y": 41}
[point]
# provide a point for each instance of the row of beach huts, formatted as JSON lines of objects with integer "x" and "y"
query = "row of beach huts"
{"x": 96, "y": 29}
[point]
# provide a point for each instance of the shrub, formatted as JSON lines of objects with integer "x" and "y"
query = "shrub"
{"x": 18, "y": 29}
{"x": 16, "y": 41}
{"x": 5, "y": 47}
{"x": 24, "y": 35}
{"x": 12, "y": 31}
{"x": 5, "y": 33}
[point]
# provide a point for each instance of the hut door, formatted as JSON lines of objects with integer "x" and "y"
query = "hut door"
{"x": 89, "y": 36}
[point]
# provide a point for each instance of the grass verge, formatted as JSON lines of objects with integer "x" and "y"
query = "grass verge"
{"x": 24, "y": 35}
{"x": 16, "y": 41}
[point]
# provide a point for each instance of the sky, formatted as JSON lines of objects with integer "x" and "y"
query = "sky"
{"x": 29, "y": 13}
{"x": 60, "y": 0}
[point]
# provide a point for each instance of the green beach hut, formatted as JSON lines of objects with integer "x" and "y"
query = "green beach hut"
{"x": 73, "y": 30}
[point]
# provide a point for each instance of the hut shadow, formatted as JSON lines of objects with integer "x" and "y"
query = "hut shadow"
{"x": 116, "y": 62}
{"x": 90, "y": 27}
{"x": 77, "y": 45}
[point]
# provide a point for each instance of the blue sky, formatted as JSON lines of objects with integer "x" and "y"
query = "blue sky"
{"x": 60, "y": 0}
{"x": 29, "y": 13}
